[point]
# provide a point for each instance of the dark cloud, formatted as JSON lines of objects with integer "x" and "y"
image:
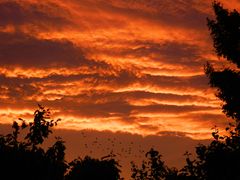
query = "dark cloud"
{"x": 148, "y": 127}
{"x": 45, "y": 15}
{"x": 160, "y": 96}
{"x": 174, "y": 53}
{"x": 120, "y": 108}
{"x": 173, "y": 133}
{"x": 198, "y": 82}
{"x": 101, "y": 96}
{"x": 14, "y": 89}
{"x": 210, "y": 118}
{"x": 172, "y": 109}
{"x": 108, "y": 109}
{"x": 180, "y": 134}
{"x": 18, "y": 49}
{"x": 165, "y": 52}
{"x": 174, "y": 14}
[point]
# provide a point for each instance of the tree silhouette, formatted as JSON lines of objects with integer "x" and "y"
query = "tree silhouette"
{"x": 92, "y": 169}
{"x": 153, "y": 169}
{"x": 25, "y": 158}
{"x": 225, "y": 32}
{"x": 220, "y": 159}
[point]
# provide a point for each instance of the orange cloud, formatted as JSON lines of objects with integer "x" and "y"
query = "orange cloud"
{"x": 133, "y": 66}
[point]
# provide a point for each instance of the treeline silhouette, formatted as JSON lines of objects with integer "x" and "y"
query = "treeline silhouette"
{"x": 23, "y": 157}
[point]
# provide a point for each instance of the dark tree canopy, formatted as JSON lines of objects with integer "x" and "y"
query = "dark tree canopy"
{"x": 220, "y": 159}
{"x": 26, "y": 159}
{"x": 225, "y": 32}
{"x": 92, "y": 169}
{"x": 153, "y": 169}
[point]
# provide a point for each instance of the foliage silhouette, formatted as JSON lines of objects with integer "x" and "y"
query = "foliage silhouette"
{"x": 92, "y": 169}
{"x": 220, "y": 159}
{"x": 225, "y": 32}
{"x": 25, "y": 158}
{"x": 153, "y": 169}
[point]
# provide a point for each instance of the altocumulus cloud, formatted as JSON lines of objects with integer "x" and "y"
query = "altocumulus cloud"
{"x": 119, "y": 65}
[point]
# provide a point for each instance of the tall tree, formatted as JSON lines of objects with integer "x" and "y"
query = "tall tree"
{"x": 225, "y": 32}
{"x": 220, "y": 159}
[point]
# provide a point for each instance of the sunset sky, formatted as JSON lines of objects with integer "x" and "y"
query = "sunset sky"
{"x": 119, "y": 68}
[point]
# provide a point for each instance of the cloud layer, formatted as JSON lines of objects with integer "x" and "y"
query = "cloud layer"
{"x": 133, "y": 66}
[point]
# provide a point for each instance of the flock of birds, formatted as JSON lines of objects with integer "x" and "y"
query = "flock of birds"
{"x": 112, "y": 147}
